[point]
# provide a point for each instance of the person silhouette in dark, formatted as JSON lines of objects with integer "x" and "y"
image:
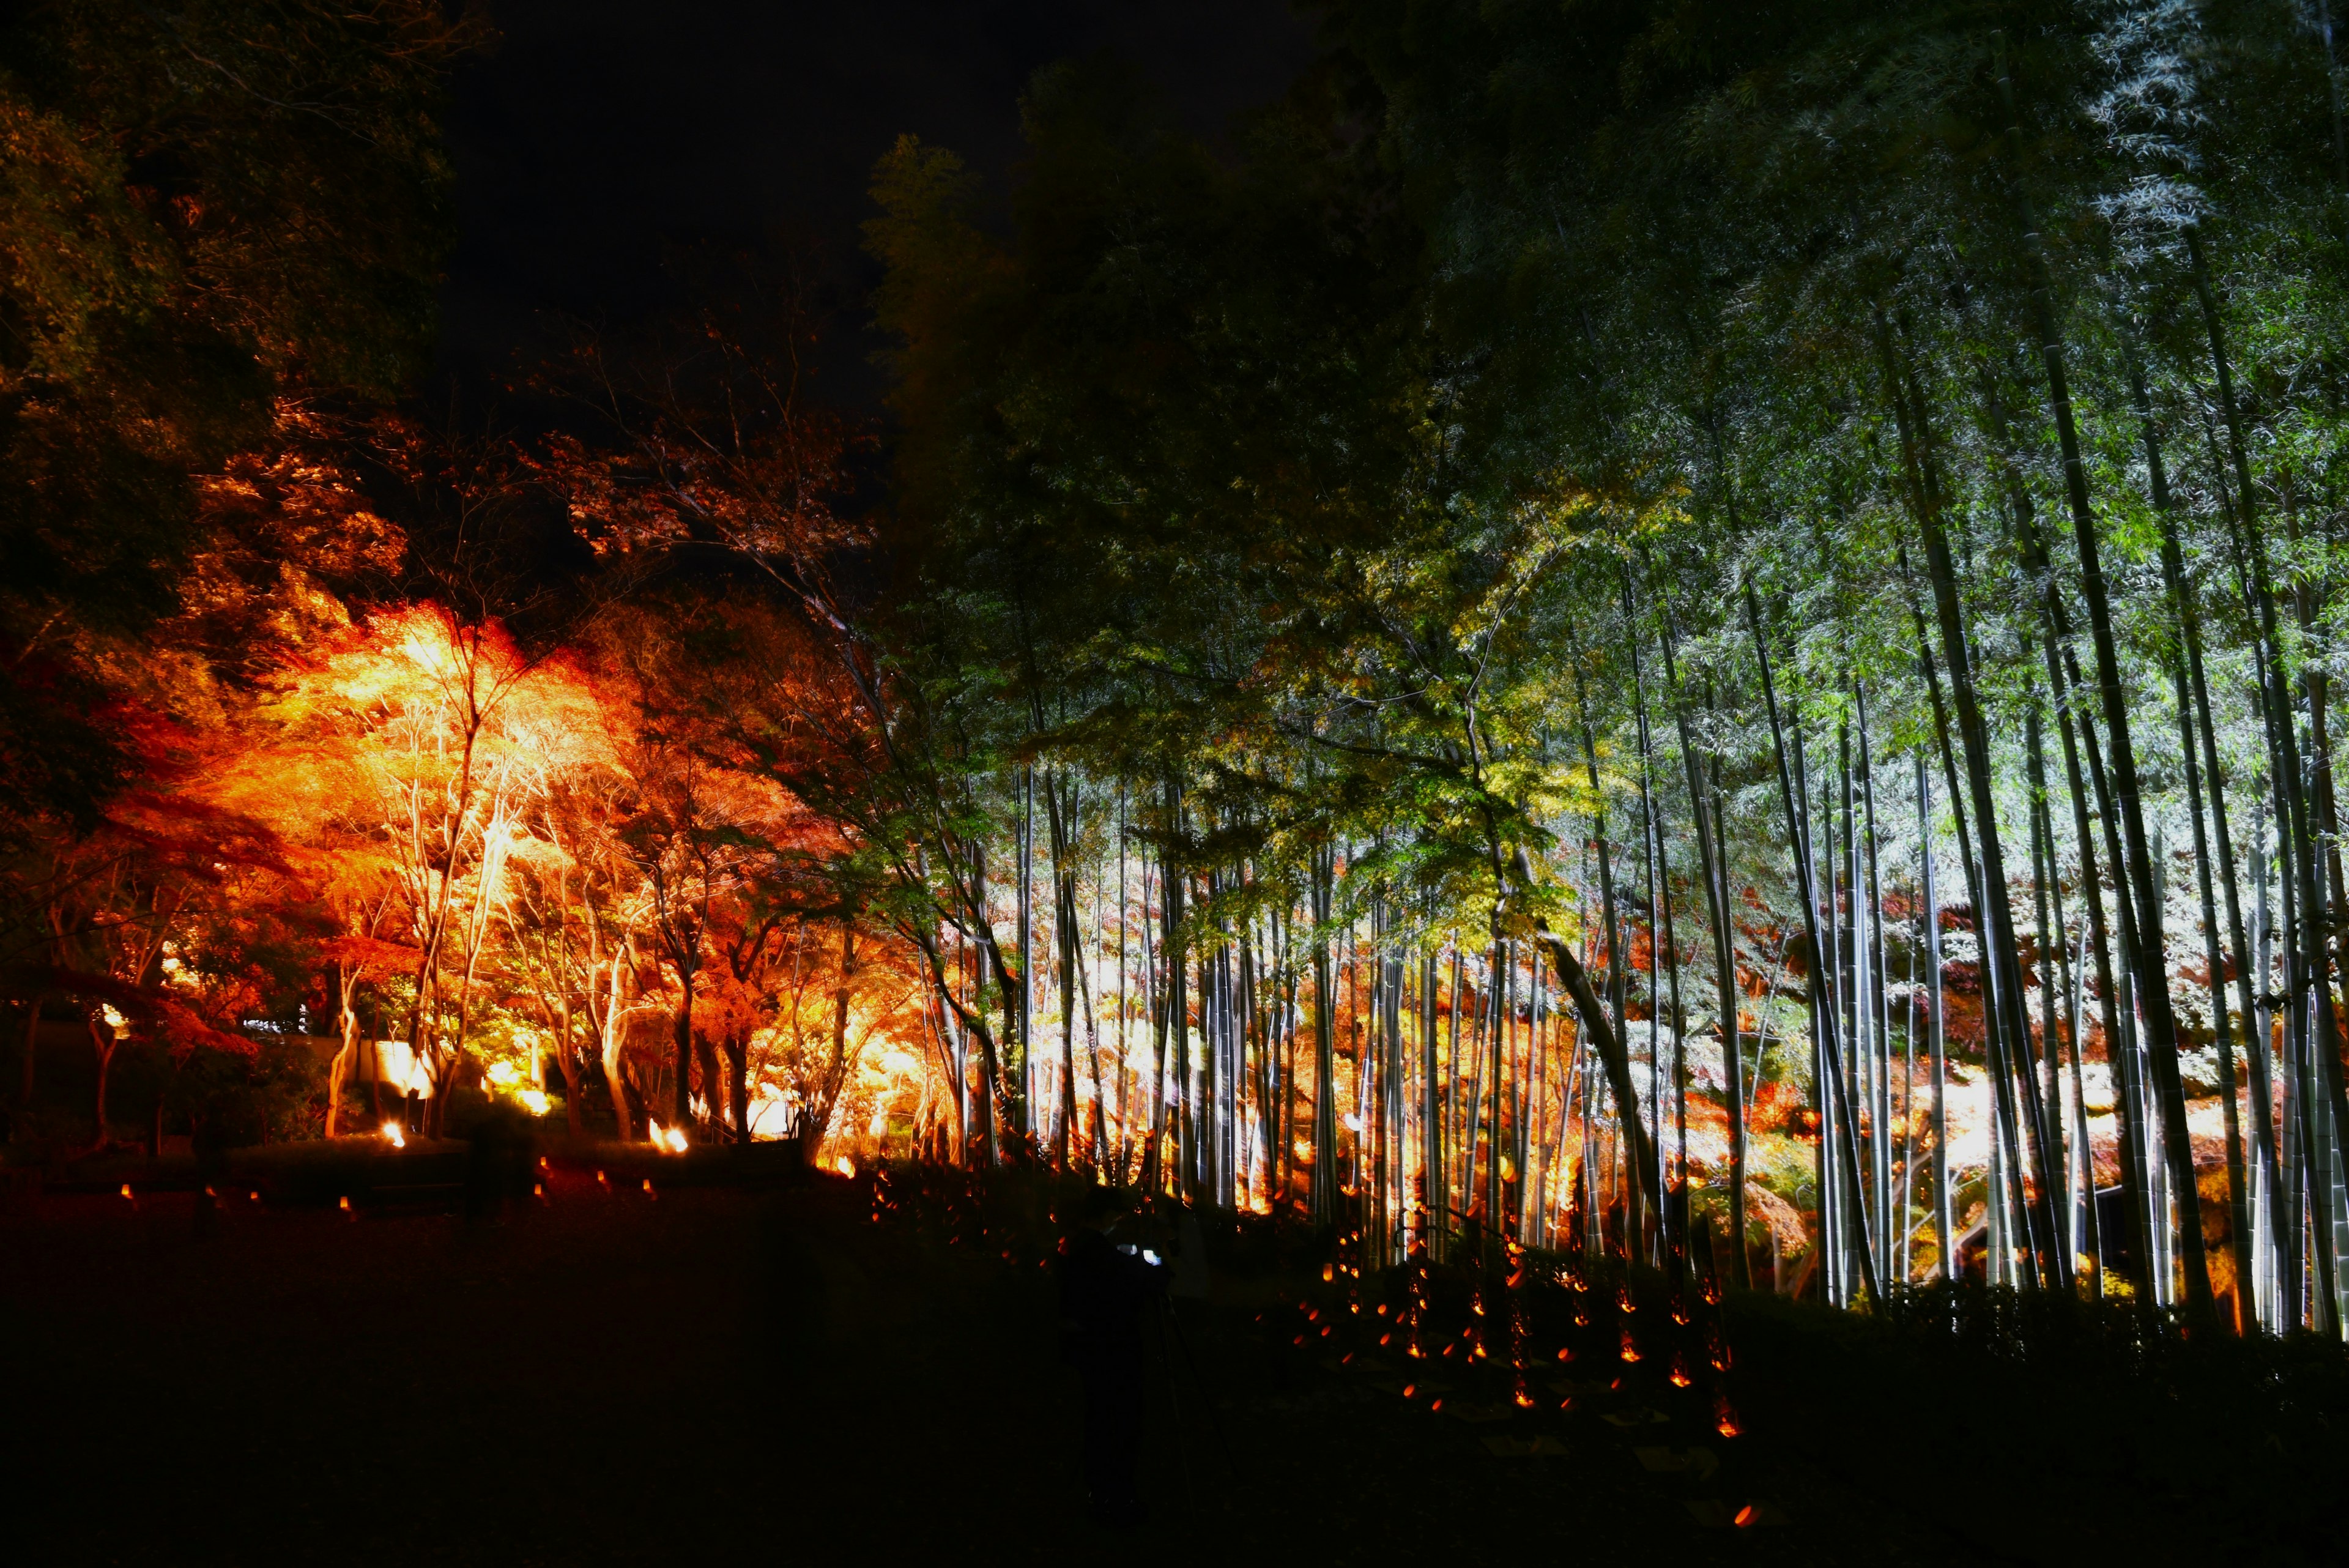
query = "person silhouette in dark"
{"x": 1105, "y": 1284}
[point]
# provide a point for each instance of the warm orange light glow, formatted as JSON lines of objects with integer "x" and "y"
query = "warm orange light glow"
{"x": 394, "y": 1136}
{"x": 648, "y": 1187}
{"x": 1630, "y": 1351}
{"x": 126, "y": 1191}
{"x": 1745, "y": 1516}
{"x": 346, "y": 1205}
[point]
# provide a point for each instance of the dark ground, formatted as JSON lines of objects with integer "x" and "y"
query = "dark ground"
{"x": 760, "y": 1376}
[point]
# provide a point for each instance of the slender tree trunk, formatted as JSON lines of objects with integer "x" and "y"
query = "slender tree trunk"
{"x": 1833, "y": 1103}
{"x": 2147, "y": 948}
{"x": 346, "y": 1025}
{"x": 1944, "y": 1225}
{"x": 2309, "y": 977}
{"x": 611, "y": 1041}
{"x": 2009, "y": 1041}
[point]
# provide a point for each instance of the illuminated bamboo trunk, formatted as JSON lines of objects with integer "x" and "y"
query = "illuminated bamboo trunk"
{"x": 1889, "y": 1228}
{"x": 1059, "y": 803}
{"x": 2312, "y": 1031}
{"x": 1325, "y": 1098}
{"x": 1725, "y": 939}
{"x": 2143, "y": 932}
{"x": 1834, "y": 1109}
{"x": 1454, "y": 1115}
{"x": 1617, "y": 969}
{"x": 1844, "y": 943}
{"x": 2247, "y": 1011}
{"x": 2237, "y": 1184}
{"x": 2006, "y": 1029}
{"x": 1432, "y": 1196}
{"x": 1651, "y": 856}
{"x": 1022, "y": 1033}
{"x": 1827, "y": 1084}
{"x": 2048, "y": 1077}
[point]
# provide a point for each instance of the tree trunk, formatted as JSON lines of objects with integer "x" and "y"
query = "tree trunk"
{"x": 2147, "y": 948}
{"x": 1834, "y": 1103}
{"x": 1602, "y": 1034}
{"x": 1944, "y": 1226}
{"x": 1993, "y": 913}
{"x": 611, "y": 1041}
{"x": 836, "y": 1066}
{"x": 102, "y": 1040}
{"x": 346, "y": 1025}
{"x": 2309, "y": 977}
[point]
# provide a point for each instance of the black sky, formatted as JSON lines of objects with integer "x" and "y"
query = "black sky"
{"x": 602, "y": 134}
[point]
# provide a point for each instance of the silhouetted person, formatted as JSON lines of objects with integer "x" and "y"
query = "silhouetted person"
{"x": 414, "y": 1112}
{"x": 1105, "y": 1285}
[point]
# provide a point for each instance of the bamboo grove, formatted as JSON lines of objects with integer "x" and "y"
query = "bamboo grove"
{"x": 1697, "y": 614}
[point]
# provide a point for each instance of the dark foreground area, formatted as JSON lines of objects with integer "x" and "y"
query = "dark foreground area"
{"x": 609, "y": 1376}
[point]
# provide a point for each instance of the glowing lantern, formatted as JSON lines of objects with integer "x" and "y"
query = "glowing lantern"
{"x": 649, "y": 1188}
{"x": 1745, "y": 1516}
{"x": 346, "y": 1205}
{"x": 126, "y": 1192}
{"x": 393, "y": 1136}
{"x": 847, "y": 1167}
{"x": 1630, "y": 1351}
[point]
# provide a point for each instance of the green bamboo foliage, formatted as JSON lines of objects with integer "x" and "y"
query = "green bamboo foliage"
{"x": 1574, "y": 584}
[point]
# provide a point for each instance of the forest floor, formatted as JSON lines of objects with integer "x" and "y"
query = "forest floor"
{"x": 607, "y": 1376}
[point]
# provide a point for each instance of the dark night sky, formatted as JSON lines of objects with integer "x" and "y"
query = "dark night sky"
{"x": 603, "y": 134}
